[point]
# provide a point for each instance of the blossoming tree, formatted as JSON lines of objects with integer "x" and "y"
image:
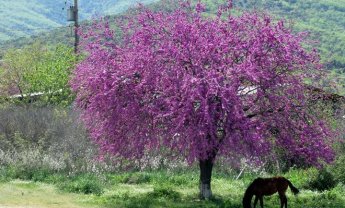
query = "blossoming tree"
{"x": 202, "y": 87}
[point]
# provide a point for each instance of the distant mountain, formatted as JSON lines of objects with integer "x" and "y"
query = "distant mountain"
{"x": 324, "y": 19}
{"x": 22, "y": 18}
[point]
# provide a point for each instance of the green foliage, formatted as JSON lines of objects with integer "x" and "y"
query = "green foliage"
{"x": 325, "y": 20}
{"x": 323, "y": 180}
{"x": 82, "y": 183}
{"x": 156, "y": 177}
{"x": 136, "y": 178}
{"x": 338, "y": 169}
{"x": 36, "y": 69}
{"x": 162, "y": 191}
{"x": 301, "y": 178}
{"x": 177, "y": 179}
{"x": 3, "y": 175}
{"x": 25, "y": 172}
{"x": 86, "y": 184}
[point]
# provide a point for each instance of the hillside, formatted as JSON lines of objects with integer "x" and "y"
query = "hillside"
{"x": 21, "y": 18}
{"x": 323, "y": 19}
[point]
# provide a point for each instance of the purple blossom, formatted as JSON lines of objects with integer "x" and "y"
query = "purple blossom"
{"x": 177, "y": 80}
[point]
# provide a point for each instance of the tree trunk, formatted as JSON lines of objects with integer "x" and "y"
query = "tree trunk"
{"x": 205, "y": 178}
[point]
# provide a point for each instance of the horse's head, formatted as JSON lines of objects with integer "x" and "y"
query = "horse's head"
{"x": 247, "y": 198}
{"x": 246, "y": 202}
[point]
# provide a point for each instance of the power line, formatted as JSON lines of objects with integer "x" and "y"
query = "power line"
{"x": 62, "y": 10}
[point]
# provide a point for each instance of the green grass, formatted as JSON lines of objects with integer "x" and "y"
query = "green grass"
{"x": 227, "y": 193}
{"x": 28, "y": 194}
{"x": 160, "y": 189}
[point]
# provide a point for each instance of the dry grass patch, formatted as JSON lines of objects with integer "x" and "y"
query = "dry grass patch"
{"x": 18, "y": 194}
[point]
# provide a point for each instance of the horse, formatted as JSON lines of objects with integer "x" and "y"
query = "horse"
{"x": 265, "y": 187}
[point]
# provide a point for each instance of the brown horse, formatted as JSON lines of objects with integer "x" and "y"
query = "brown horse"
{"x": 265, "y": 187}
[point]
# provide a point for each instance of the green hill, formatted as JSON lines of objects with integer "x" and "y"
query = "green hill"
{"x": 21, "y": 18}
{"x": 323, "y": 19}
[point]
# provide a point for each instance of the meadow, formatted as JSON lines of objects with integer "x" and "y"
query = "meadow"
{"x": 152, "y": 189}
{"x": 47, "y": 160}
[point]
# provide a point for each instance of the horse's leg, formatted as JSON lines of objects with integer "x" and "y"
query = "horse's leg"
{"x": 256, "y": 200}
{"x": 261, "y": 201}
{"x": 283, "y": 200}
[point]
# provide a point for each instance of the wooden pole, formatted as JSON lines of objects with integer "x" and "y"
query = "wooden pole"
{"x": 76, "y": 26}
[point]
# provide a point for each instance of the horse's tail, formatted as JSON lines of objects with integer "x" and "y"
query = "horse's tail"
{"x": 293, "y": 189}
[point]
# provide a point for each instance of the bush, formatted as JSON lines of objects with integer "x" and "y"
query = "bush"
{"x": 164, "y": 192}
{"x": 19, "y": 172}
{"x": 41, "y": 175}
{"x": 3, "y": 175}
{"x": 338, "y": 169}
{"x": 86, "y": 184}
{"x": 54, "y": 138}
{"x": 301, "y": 178}
{"x": 324, "y": 180}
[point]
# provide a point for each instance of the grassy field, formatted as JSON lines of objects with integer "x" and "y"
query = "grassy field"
{"x": 158, "y": 189}
{"x": 18, "y": 194}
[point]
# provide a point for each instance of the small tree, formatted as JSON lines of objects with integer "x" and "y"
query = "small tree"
{"x": 36, "y": 69}
{"x": 201, "y": 87}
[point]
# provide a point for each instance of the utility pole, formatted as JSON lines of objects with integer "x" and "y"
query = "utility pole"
{"x": 72, "y": 15}
{"x": 76, "y": 26}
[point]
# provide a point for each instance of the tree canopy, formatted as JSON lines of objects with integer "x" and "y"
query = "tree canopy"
{"x": 229, "y": 85}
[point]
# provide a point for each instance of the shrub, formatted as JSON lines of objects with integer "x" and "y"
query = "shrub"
{"x": 301, "y": 178}
{"x": 55, "y": 178}
{"x": 41, "y": 174}
{"x": 324, "y": 180}
{"x": 338, "y": 169}
{"x": 164, "y": 192}
{"x": 3, "y": 174}
{"x": 19, "y": 171}
{"x": 86, "y": 184}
